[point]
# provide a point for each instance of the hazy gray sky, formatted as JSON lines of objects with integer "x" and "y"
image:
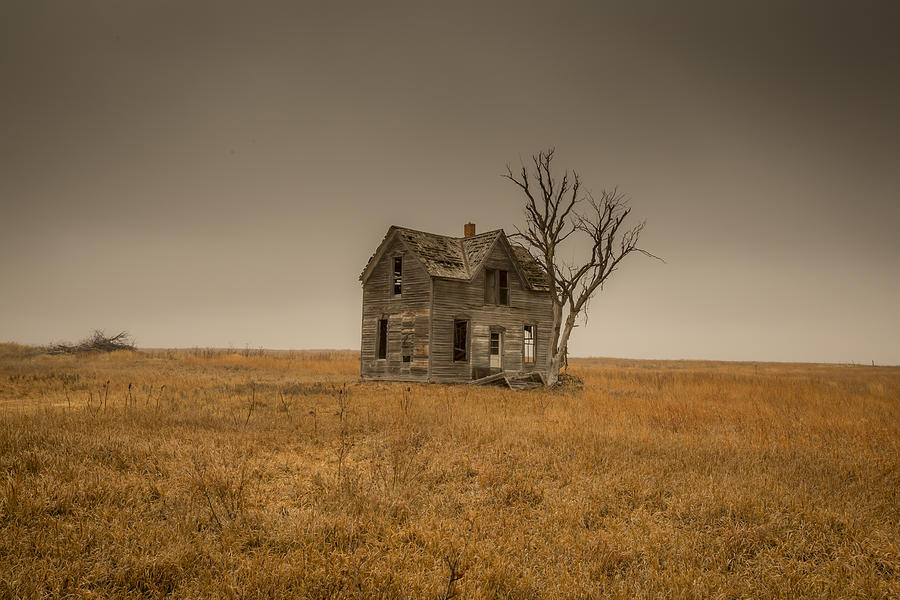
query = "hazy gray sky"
{"x": 218, "y": 173}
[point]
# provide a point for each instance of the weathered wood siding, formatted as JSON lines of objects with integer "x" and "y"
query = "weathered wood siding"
{"x": 408, "y": 318}
{"x": 465, "y": 300}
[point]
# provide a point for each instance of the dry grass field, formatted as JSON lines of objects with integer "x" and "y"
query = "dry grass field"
{"x": 277, "y": 474}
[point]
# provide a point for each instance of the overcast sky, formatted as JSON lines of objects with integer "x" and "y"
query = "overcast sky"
{"x": 217, "y": 174}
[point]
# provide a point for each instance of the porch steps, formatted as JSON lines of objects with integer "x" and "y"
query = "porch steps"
{"x": 514, "y": 380}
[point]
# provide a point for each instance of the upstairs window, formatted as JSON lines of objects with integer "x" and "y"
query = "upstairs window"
{"x": 490, "y": 283}
{"x": 397, "y": 279}
{"x": 382, "y": 338}
{"x": 496, "y": 287}
{"x": 460, "y": 341}
{"x": 528, "y": 345}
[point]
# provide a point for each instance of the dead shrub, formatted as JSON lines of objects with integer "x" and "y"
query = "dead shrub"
{"x": 96, "y": 342}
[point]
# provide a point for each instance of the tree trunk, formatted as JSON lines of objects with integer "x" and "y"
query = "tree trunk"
{"x": 560, "y": 346}
{"x": 555, "y": 366}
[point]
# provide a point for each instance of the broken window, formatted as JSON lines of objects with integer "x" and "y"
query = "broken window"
{"x": 490, "y": 276}
{"x": 528, "y": 345}
{"x": 382, "y": 338}
{"x": 398, "y": 275}
{"x": 496, "y": 287}
{"x": 460, "y": 341}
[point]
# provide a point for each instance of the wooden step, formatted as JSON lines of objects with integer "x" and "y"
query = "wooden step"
{"x": 515, "y": 380}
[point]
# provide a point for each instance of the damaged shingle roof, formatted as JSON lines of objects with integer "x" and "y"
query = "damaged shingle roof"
{"x": 459, "y": 258}
{"x": 477, "y": 246}
{"x": 531, "y": 268}
{"x": 442, "y": 256}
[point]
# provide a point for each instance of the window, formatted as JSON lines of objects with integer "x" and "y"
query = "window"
{"x": 528, "y": 345}
{"x": 496, "y": 287}
{"x": 490, "y": 277}
{"x": 460, "y": 341}
{"x": 382, "y": 338}
{"x": 398, "y": 275}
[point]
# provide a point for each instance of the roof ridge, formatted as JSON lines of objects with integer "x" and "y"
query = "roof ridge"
{"x": 449, "y": 237}
{"x": 483, "y": 233}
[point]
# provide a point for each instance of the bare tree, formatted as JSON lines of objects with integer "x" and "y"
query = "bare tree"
{"x": 555, "y": 209}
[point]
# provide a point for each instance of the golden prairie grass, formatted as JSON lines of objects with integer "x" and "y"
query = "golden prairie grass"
{"x": 258, "y": 474}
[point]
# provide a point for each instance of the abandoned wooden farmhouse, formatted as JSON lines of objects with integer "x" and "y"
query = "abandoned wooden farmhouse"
{"x": 447, "y": 309}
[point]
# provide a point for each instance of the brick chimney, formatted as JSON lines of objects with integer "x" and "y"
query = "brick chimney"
{"x": 469, "y": 229}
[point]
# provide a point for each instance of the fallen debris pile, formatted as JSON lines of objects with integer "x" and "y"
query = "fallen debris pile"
{"x": 514, "y": 380}
{"x": 97, "y": 342}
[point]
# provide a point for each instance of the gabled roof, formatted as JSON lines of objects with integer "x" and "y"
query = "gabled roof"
{"x": 459, "y": 258}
